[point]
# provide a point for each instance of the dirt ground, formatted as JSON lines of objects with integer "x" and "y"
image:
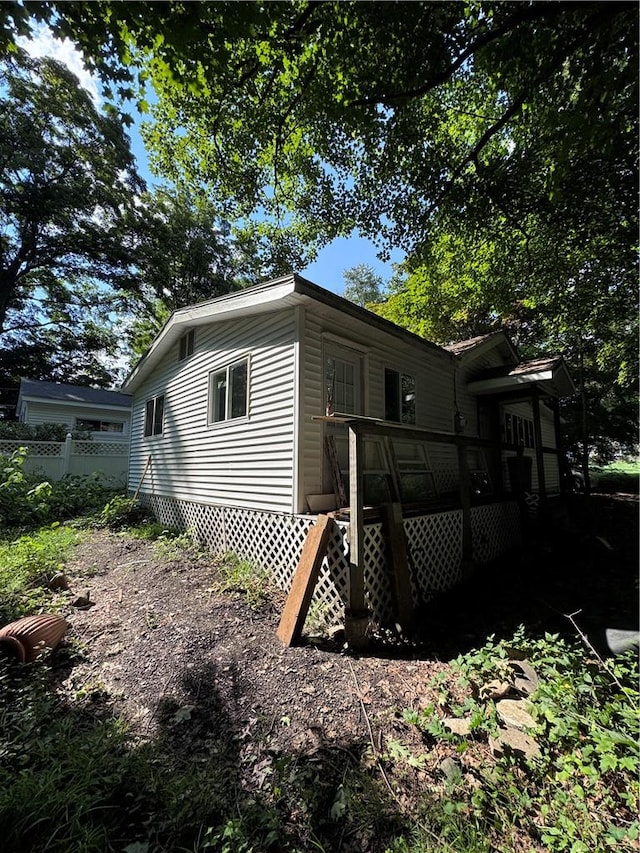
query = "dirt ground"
{"x": 161, "y": 645}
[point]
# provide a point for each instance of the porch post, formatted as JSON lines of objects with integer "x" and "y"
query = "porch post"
{"x": 537, "y": 432}
{"x": 356, "y": 619}
{"x": 560, "y": 457}
{"x": 465, "y": 501}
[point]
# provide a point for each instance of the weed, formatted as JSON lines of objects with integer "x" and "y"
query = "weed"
{"x": 241, "y": 576}
{"x": 27, "y": 563}
{"x": 120, "y": 512}
{"x": 174, "y": 545}
{"x": 582, "y": 793}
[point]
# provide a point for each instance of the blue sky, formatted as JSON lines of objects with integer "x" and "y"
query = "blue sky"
{"x": 327, "y": 270}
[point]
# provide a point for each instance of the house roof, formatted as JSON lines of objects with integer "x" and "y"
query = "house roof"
{"x": 549, "y": 373}
{"x": 35, "y": 389}
{"x": 474, "y": 347}
{"x": 288, "y": 291}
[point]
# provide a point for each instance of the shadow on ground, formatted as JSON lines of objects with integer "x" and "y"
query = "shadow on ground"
{"x": 585, "y": 564}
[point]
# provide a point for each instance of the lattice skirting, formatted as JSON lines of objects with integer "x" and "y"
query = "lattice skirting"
{"x": 274, "y": 542}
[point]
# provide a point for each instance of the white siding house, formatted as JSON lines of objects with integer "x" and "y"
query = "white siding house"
{"x": 101, "y": 413}
{"x": 236, "y": 398}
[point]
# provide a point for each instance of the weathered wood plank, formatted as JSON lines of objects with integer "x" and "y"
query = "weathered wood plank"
{"x": 399, "y": 563}
{"x": 297, "y": 604}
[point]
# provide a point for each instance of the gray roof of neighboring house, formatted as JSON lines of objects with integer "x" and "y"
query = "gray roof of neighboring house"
{"x": 58, "y": 391}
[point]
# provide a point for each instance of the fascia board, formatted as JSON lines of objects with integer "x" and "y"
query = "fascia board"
{"x": 500, "y": 383}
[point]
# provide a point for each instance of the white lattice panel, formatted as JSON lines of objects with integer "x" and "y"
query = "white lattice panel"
{"x": 446, "y": 479}
{"x": 100, "y": 448}
{"x": 274, "y": 542}
{"x": 435, "y": 549}
{"x": 495, "y": 528}
{"x": 34, "y": 448}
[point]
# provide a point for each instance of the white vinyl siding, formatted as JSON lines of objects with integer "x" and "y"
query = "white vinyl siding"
{"x": 247, "y": 462}
{"x": 67, "y": 414}
{"x": 431, "y": 369}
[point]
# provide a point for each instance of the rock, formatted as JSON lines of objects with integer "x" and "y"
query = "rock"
{"x": 515, "y": 713}
{"x": 525, "y": 678}
{"x": 495, "y": 689}
{"x": 457, "y": 725}
{"x": 513, "y": 740}
{"x": 451, "y": 770}
{"x": 619, "y": 641}
{"x": 83, "y": 602}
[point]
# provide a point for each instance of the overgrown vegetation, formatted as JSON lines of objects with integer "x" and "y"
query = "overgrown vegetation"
{"x": 75, "y": 776}
{"x": 26, "y": 501}
{"x": 581, "y": 794}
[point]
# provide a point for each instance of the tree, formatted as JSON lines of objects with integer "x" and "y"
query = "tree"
{"x": 362, "y": 285}
{"x": 183, "y": 255}
{"x": 66, "y": 177}
{"x": 495, "y": 143}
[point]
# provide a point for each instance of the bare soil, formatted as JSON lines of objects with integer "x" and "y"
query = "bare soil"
{"x": 167, "y": 651}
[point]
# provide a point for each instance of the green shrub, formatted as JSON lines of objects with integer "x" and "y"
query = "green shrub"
{"x": 25, "y": 501}
{"x": 21, "y": 500}
{"x": 120, "y": 512}
{"x": 11, "y": 430}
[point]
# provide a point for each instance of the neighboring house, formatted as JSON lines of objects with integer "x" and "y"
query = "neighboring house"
{"x": 104, "y": 414}
{"x": 256, "y": 408}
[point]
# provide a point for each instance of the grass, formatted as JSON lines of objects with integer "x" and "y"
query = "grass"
{"x": 620, "y": 476}
{"x": 27, "y": 563}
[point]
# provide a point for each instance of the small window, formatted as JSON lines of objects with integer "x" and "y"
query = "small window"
{"x": 153, "y": 416}
{"x": 399, "y": 397}
{"x": 186, "y": 345}
{"x": 518, "y": 430}
{"x": 84, "y": 425}
{"x": 228, "y": 392}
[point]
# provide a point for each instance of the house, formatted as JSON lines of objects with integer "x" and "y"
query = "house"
{"x": 104, "y": 415}
{"x": 101, "y": 413}
{"x": 253, "y": 410}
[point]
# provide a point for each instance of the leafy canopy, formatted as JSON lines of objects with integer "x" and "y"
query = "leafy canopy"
{"x": 66, "y": 176}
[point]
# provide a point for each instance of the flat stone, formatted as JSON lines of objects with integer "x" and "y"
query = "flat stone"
{"x": 457, "y": 725}
{"x": 495, "y": 689}
{"x": 515, "y": 713}
{"x": 525, "y": 678}
{"x": 513, "y": 740}
{"x": 451, "y": 770}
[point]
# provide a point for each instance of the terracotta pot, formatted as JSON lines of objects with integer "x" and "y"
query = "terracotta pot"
{"x": 29, "y": 637}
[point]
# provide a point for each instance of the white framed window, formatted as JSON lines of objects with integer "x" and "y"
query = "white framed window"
{"x": 186, "y": 345}
{"x": 229, "y": 392}
{"x": 399, "y": 396}
{"x": 154, "y": 416}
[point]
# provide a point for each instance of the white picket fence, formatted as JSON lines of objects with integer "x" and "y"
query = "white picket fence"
{"x": 53, "y": 460}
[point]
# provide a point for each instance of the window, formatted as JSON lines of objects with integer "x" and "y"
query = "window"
{"x": 518, "y": 430}
{"x": 153, "y": 416}
{"x": 186, "y": 345}
{"x": 399, "y": 397}
{"x": 341, "y": 378}
{"x": 228, "y": 392}
{"x": 99, "y": 426}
